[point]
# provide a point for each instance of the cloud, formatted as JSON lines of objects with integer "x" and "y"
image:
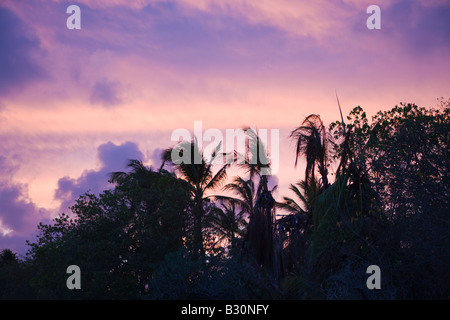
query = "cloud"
{"x": 17, "y": 55}
{"x": 112, "y": 158}
{"x": 156, "y": 157}
{"x": 17, "y": 212}
{"x": 422, "y": 27}
{"x": 107, "y": 93}
{"x": 116, "y": 157}
{"x": 19, "y": 216}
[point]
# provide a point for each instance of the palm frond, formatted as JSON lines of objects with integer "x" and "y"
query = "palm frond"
{"x": 218, "y": 178}
{"x": 290, "y": 206}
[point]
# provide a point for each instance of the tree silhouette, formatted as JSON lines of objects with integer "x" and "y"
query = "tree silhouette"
{"x": 7, "y": 257}
{"x": 156, "y": 235}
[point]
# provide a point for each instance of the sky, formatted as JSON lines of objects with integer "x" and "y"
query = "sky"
{"x": 75, "y": 104}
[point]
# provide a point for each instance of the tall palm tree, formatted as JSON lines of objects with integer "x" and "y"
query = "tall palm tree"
{"x": 256, "y": 198}
{"x": 312, "y": 143}
{"x": 257, "y": 167}
{"x": 293, "y": 228}
{"x": 199, "y": 173}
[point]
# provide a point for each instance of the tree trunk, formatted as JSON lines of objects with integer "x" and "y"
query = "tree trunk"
{"x": 198, "y": 250}
{"x": 260, "y": 237}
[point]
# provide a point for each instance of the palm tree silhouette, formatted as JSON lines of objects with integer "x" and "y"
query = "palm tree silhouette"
{"x": 228, "y": 220}
{"x": 312, "y": 143}
{"x": 256, "y": 197}
{"x": 301, "y": 208}
{"x": 198, "y": 172}
{"x": 245, "y": 193}
{"x": 139, "y": 174}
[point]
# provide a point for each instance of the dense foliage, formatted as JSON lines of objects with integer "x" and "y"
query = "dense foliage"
{"x": 159, "y": 235}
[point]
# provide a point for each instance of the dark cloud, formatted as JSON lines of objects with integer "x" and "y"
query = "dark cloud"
{"x": 112, "y": 158}
{"x": 106, "y": 93}
{"x": 18, "y": 49}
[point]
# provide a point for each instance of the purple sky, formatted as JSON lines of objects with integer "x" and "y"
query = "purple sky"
{"x": 76, "y": 104}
